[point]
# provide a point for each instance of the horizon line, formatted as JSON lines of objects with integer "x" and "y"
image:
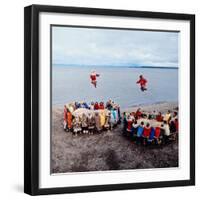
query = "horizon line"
{"x": 114, "y": 65}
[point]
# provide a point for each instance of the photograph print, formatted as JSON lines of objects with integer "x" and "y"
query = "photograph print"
{"x": 114, "y": 99}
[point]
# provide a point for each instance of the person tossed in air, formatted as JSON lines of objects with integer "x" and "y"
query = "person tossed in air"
{"x": 93, "y": 77}
{"x": 142, "y": 81}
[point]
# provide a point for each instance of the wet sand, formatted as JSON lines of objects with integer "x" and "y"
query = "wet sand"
{"x": 108, "y": 150}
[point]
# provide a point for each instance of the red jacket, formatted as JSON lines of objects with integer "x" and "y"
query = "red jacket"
{"x": 159, "y": 118}
{"x": 93, "y": 77}
{"x": 69, "y": 119}
{"x": 101, "y": 106}
{"x": 96, "y": 106}
{"x": 138, "y": 114}
{"x": 129, "y": 125}
{"x": 142, "y": 82}
{"x": 147, "y": 132}
{"x": 176, "y": 124}
{"x": 157, "y": 132}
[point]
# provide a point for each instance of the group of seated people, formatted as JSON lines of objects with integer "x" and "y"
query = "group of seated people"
{"x": 150, "y": 128}
{"x": 80, "y": 117}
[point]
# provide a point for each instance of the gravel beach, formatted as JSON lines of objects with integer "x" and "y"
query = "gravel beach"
{"x": 108, "y": 150}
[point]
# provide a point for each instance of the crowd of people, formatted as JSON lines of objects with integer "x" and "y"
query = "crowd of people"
{"x": 141, "y": 127}
{"x": 80, "y": 117}
{"x": 151, "y": 128}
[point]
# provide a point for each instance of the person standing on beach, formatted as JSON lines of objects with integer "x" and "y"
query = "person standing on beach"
{"x": 69, "y": 120}
{"x": 142, "y": 81}
{"x": 65, "y": 118}
{"x": 93, "y": 77}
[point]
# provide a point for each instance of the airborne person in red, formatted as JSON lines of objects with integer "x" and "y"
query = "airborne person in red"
{"x": 93, "y": 77}
{"x": 142, "y": 81}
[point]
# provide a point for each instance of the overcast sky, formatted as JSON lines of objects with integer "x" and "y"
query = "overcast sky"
{"x": 86, "y": 46}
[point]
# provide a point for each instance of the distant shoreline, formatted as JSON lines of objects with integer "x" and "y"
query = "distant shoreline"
{"x": 118, "y": 66}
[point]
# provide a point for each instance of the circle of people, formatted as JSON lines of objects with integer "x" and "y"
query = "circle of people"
{"x": 80, "y": 117}
{"x": 151, "y": 128}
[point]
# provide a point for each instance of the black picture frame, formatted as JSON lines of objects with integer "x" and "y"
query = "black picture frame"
{"x": 31, "y": 98}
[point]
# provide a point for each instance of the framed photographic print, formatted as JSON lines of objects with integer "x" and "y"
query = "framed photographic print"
{"x": 109, "y": 99}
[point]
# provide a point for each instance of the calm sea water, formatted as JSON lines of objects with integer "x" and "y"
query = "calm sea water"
{"x": 73, "y": 84}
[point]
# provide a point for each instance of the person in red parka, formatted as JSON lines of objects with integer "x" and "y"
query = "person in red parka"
{"x": 142, "y": 81}
{"x": 157, "y": 135}
{"x": 69, "y": 120}
{"x": 101, "y": 106}
{"x": 146, "y": 133}
{"x": 157, "y": 132}
{"x": 147, "y": 130}
{"x": 93, "y": 77}
{"x": 96, "y": 106}
{"x": 176, "y": 124}
{"x": 159, "y": 117}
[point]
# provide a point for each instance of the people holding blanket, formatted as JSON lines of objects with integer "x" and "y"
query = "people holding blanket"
{"x": 140, "y": 126}
{"x": 150, "y": 127}
{"x": 80, "y": 117}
